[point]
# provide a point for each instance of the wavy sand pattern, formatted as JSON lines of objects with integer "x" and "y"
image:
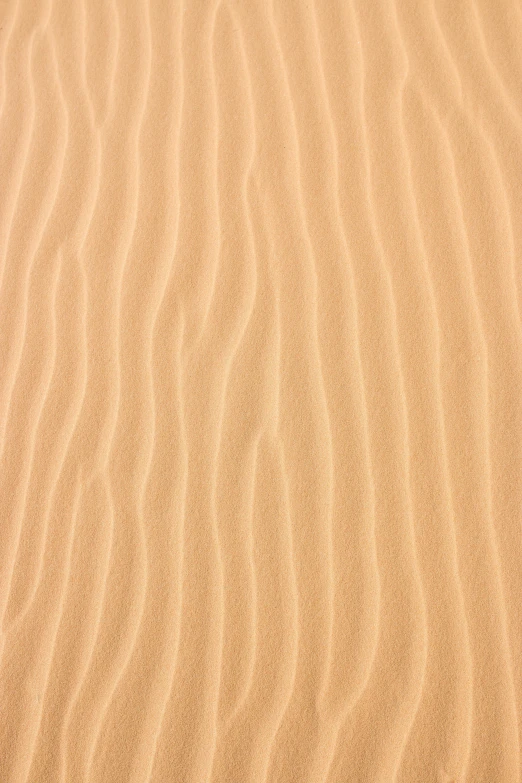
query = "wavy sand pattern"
{"x": 261, "y": 391}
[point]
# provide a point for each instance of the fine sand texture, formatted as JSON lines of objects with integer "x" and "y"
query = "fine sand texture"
{"x": 260, "y": 391}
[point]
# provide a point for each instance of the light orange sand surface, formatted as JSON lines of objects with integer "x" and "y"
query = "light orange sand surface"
{"x": 260, "y": 391}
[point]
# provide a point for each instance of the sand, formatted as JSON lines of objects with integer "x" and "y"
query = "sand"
{"x": 260, "y": 391}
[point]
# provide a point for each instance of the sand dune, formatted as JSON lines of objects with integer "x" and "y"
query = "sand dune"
{"x": 260, "y": 391}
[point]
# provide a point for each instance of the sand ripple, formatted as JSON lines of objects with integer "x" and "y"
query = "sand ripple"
{"x": 260, "y": 391}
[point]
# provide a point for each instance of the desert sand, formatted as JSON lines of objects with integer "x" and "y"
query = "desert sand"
{"x": 260, "y": 391}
